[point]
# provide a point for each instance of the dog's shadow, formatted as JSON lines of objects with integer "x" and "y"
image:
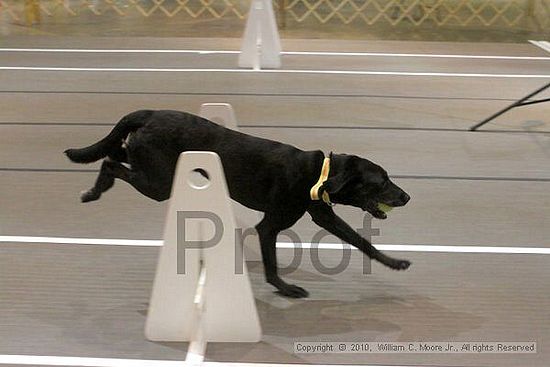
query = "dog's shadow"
{"x": 410, "y": 318}
{"x": 383, "y": 317}
{"x": 376, "y": 310}
{"x": 375, "y": 307}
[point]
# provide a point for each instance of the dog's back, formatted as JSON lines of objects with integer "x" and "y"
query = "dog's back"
{"x": 250, "y": 163}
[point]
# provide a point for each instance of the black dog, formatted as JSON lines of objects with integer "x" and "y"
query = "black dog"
{"x": 275, "y": 178}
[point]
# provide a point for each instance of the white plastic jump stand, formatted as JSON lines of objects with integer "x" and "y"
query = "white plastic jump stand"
{"x": 261, "y": 47}
{"x": 220, "y": 113}
{"x": 223, "y": 114}
{"x": 211, "y": 299}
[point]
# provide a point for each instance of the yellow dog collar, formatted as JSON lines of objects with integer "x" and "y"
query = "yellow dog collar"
{"x": 314, "y": 192}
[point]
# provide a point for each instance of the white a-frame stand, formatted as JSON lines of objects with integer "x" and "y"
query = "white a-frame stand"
{"x": 201, "y": 291}
{"x": 246, "y": 219}
{"x": 220, "y": 113}
{"x": 261, "y": 47}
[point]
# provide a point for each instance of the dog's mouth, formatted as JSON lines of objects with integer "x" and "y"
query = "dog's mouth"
{"x": 378, "y": 210}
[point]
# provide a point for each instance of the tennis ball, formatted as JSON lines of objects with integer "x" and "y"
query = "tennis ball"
{"x": 385, "y": 208}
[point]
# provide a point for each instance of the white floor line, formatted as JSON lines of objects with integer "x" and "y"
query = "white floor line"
{"x": 116, "y": 51}
{"x": 275, "y": 71}
{"x": 81, "y": 241}
{"x": 322, "y": 246}
{"x": 84, "y": 361}
{"x": 119, "y": 362}
{"x": 236, "y": 364}
{"x": 433, "y": 56}
{"x": 290, "y": 53}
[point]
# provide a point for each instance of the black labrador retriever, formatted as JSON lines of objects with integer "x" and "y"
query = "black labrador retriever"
{"x": 275, "y": 178}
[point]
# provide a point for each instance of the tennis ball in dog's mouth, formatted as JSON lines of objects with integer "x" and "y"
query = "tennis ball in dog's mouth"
{"x": 384, "y": 207}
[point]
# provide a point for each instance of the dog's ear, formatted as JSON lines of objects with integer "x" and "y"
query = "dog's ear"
{"x": 347, "y": 167}
{"x": 335, "y": 184}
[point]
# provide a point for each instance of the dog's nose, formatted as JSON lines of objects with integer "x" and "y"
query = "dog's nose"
{"x": 405, "y": 198}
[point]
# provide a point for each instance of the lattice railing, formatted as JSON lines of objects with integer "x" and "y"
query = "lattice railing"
{"x": 511, "y": 13}
{"x": 170, "y": 8}
{"x": 417, "y": 12}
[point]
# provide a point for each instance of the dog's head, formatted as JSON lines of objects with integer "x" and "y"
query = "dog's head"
{"x": 361, "y": 183}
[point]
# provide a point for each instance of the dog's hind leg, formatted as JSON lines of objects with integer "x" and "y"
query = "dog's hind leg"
{"x": 112, "y": 169}
{"x": 104, "y": 181}
{"x": 324, "y": 216}
{"x": 268, "y": 229}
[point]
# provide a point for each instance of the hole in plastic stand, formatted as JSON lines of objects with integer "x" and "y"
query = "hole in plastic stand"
{"x": 199, "y": 179}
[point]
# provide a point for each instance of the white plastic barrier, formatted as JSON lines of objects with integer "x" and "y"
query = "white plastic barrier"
{"x": 220, "y": 113}
{"x": 211, "y": 298}
{"x": 261, "y": 45}
{"x": 223, "y": 114}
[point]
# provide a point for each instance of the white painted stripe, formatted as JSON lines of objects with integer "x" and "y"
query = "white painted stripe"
{"x": 274, "y": 71}
{"x": 236, "y": 364}
{"x": 118, "y": 362}
{"x": 80, "y": 241}
{"x": 115, "y": 51}
{"x": 434, "y": 56}
{"x": 290, "y": 53}
{"x": 84, "y": 362}
{"x": 282, "y": 245}
{"x": 430, "y": 248}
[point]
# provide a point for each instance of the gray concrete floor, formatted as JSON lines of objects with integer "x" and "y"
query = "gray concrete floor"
{"x": 484, "y": 189}
{"x": 92, "y": 301}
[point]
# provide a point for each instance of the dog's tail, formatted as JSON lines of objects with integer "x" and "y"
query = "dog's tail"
{"x": 102, "y": 148}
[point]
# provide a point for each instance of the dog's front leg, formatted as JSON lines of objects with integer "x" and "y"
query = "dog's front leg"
{"x": 324, "y": 216}
{"x": 268, "y": 229}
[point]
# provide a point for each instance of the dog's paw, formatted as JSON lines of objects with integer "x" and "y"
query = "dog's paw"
{"x": 292, "y": 291}
{"x": 400, "y": 264}
{"x": 90, "y": 195}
